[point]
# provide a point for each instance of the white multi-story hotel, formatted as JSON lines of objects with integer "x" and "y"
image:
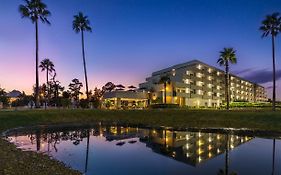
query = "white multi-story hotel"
{"x": 195, "y": 83}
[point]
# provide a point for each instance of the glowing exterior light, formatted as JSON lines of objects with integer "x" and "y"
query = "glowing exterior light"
{"x": 218, "y": 137}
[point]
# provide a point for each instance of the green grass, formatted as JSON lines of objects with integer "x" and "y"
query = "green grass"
{"x": 14, "y": 161}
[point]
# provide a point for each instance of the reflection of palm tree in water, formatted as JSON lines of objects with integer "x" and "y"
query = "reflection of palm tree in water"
{"x": 273, "y": 157}
{"x": 87, "y": 152}
{"x": 226, "y": 166}
{"x": 38, "y": 139}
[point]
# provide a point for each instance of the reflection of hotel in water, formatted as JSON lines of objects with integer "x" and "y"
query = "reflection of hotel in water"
{"x": 188, "y": 147}
{"x": 192, "y": 147}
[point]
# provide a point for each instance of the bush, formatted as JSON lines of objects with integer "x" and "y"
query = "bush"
{"x": 84, "y": 103}
{"x": 164, "y": 106}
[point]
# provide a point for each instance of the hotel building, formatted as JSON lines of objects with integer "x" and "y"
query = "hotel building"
{"x": 197, "y": 84}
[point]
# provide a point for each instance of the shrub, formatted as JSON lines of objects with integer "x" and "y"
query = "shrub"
{"x": 164, "y": 106}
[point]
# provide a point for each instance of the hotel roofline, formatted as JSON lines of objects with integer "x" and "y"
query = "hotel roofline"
{"x": 195, "y": 61}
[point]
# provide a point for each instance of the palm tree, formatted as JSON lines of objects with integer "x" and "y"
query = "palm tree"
{"x": 36, "y": 11}
{"x": 271, "y": 25}
{"x": 165, "y": 80}
{"x": 48, "y": 66}
{"x": 227, "y": 56}
{"x": 81, "y": 23}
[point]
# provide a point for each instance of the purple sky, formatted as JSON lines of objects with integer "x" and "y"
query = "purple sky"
{"x": 133, "y": 38}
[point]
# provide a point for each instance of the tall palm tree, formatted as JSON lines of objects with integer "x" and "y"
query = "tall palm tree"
{"x": 36, "y": 11}
{"x": 48, "y": 66}
{"x": 271, "y": 25}
{"x": 81, "y": 23}
{"x": 165, "y": 80}
{"x": 227, "y": 56}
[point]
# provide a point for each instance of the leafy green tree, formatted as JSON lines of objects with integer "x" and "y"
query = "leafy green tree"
{"x": 75, "y": 89}
{"x": 271, "y": 25}
{"x": 227, "y": 56}
{"x": 48, "y": 66}
{"x": 4, "y": 98}
{"x": 36, "y": 11}
{"x": 81, "y": 24}
{"x": 165, "y": 80}
{"x": 65, "y": 100}
{"x": 55, "y": 90}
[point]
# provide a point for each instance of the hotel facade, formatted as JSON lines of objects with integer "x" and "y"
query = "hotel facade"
{"x": 198, "y": 84}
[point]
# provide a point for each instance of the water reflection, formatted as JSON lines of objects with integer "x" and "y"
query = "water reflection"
{"x": 190, "y": 148}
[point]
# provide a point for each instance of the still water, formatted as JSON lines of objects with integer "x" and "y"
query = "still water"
{"x": 107, "y": 150}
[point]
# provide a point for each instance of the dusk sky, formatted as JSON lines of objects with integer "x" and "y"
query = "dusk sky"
{"x": 133, "y": 38}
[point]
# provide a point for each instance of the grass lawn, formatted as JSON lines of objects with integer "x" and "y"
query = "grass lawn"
{"x": 14, "y": 161}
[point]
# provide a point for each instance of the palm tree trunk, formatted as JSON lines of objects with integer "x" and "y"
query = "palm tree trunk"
{"x": 274, "y": 78}
{"x": 47, "y": 84}
{"x": 37, "y": 75}
{"x": 84, "y": 63}
{"x": 226, "y": 85}
{"x": 165, "y": 93}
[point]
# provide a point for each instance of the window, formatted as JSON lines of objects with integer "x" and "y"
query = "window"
{"x": 199, "y": 66}
{"x": 173, "y": 72}
{"x": 187, "y": 81}
{"x": 210, "y": 85}
{"x": 210, "y": 70}
{"x": 200, "y": 92}
{"x": 199, "y": 83}
{"x": 199, "y": 75}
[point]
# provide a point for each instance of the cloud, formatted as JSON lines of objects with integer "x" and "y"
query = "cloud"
{"x": 262, "y": 76}
{"x": 243, "y": 71}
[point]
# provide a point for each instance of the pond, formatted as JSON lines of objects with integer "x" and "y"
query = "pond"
{"x": 112, "y": 149}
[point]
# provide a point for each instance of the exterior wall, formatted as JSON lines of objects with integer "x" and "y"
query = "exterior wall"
{"x": 197, "y": 84}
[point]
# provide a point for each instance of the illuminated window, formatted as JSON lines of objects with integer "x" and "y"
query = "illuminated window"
{"x": 187, "y": 81}
{"x": 209, "y": 93}
{"x": 199, "y": 75}
{"x": 210, "y": 70}
{"x": 199, "y": 66}
{"x": 218, "y": 94}
{"x": 173, "y": 72}
{"x": 209, "y": 78}
{"x": 199, "y": 83}
{"x": 218, "y": 73}
{"x": 187, "y": 90}
{"x": 218, "y": 87}
{"x": 210, "y": 85}
{"x": 200, "y": 92}
{"x": 187, "y": 72}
